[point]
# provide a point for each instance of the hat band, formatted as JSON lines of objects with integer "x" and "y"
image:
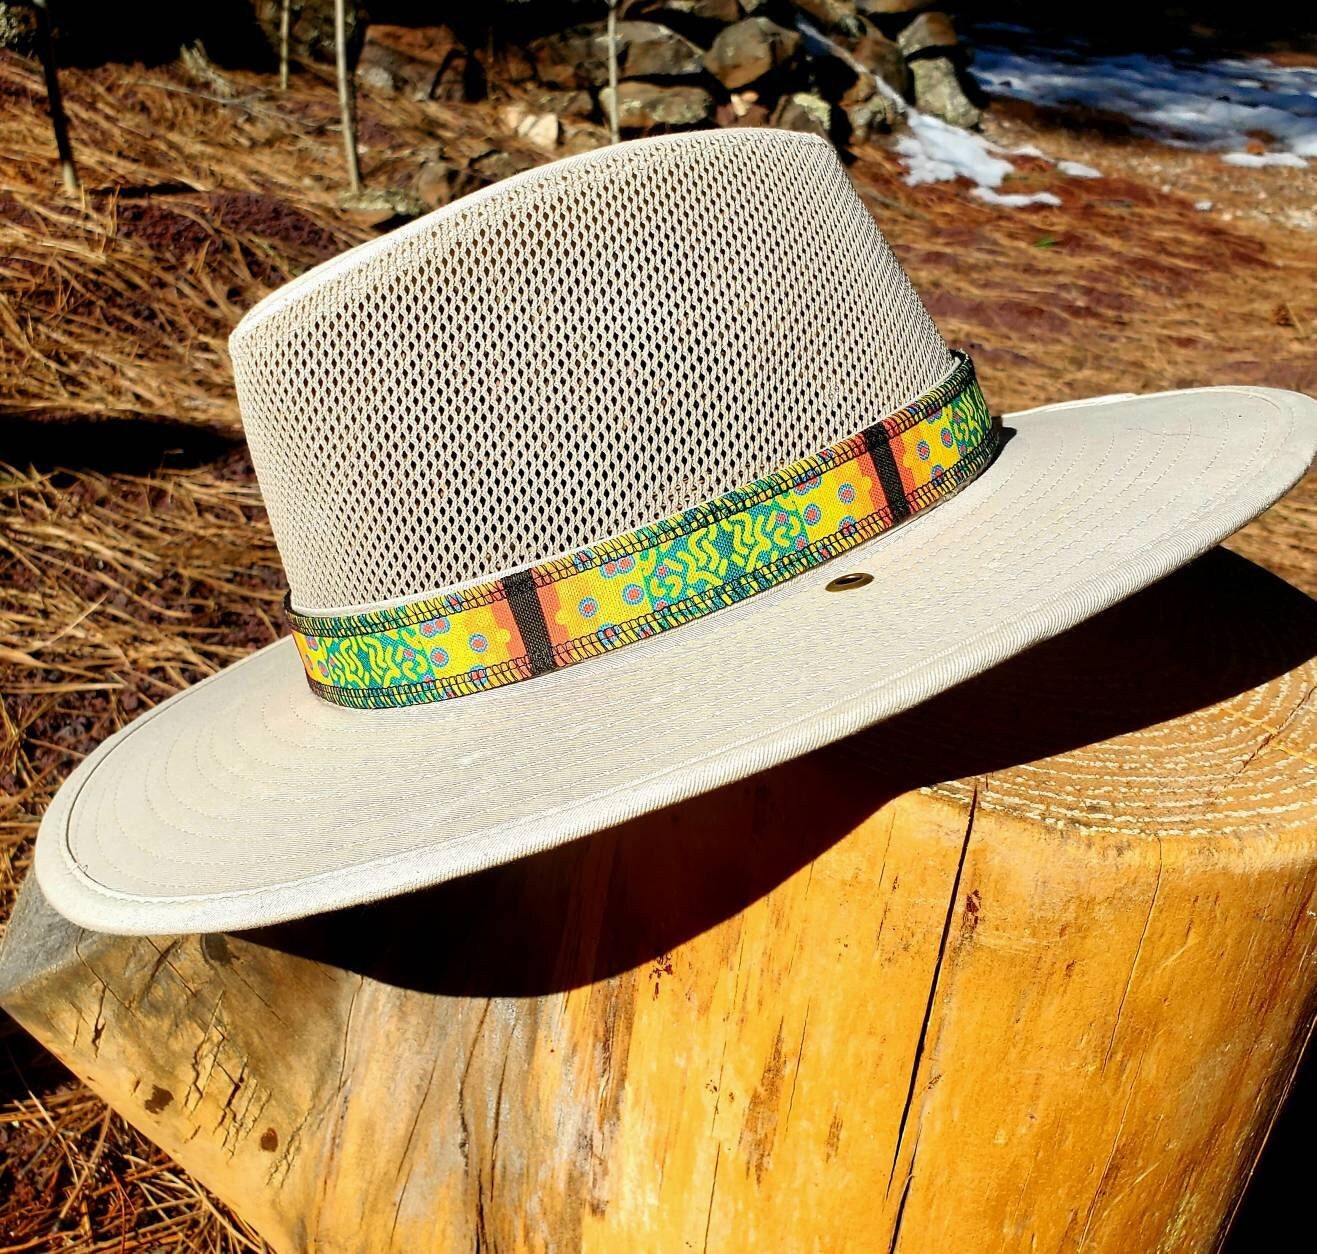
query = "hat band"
{"x": 660, "y": 576}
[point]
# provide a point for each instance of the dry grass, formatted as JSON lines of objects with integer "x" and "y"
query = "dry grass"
{"x": 203, "y": 192}
{"x": 119, "y": 589}
{"x": 93, "y": 323}
{"x": 135, "y": 557}
{"x": 76, "y": 1177}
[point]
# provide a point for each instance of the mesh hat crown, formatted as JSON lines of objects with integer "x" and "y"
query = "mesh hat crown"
{"x": 569, "y": 355}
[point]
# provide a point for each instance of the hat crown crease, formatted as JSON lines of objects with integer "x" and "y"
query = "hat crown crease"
{"x": 569, "y": 355}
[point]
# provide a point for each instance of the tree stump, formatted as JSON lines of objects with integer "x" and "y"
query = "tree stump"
{"x": 1030, "y": 967}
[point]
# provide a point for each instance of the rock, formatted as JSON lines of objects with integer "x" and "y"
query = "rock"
{"x": 18, "y": 27}
{"x": 746, "y": 51}
{"x": 652, "y": 50}
{"x": 558, "y": 57}
{"x": 860, "y": 90}
{"x": 571, "y": 104}
{"x": 927, "y": 31}
{"x": 721, "y": 11}
{"x": 518, "y": 117}
{"x": 540, "y": 130}
{"x": 438, "y": 182}
{"x": 806, "y": 112}
{"x": 374, "y": 206}
{"x": 641, "y": 106}
{"x": 881, "y": 57}
{"x": 379, "y": 77}
{"x": 385, "y": 70}
{"x": 831, "y": 15}
{"x": 578, "y": 56}
{"x": 496, "y": 164}
{"x": 583, "y": 139}
{"x": 888, "y": 8}
{"x": 938, "y": 91}
{"x": 425, "y": 63}
{"x": 443, "y": 178}
{"x": 505, "y": 63}
{"x": 875, "y": 114}
{"x": 742, "y": 102}
{"x": 742, "y": 109}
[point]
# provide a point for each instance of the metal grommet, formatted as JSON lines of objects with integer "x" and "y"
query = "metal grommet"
{"x": 844, "y": 583}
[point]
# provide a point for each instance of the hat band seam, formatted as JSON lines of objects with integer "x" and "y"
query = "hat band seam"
{"x": 662, "y": 575}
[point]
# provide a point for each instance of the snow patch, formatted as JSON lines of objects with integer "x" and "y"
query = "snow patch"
{"x": 936, "y": 152}
{"x": 1256, "y": 159}
{"x": 1182, "y": 99}
{"x": 1015, "y": 200}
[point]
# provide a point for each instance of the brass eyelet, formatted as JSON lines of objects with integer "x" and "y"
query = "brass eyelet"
{"x": 844, "y": 583}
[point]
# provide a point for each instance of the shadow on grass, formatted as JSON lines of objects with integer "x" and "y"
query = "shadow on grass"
{"x": 109, "y": 445}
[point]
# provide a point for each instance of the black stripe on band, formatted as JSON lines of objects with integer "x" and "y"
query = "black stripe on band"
{"x": 879, "y": 445}
{"x": 524, "y": 601}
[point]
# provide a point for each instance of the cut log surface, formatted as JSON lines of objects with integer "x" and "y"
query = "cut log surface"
{"x": 1028, "y": 968}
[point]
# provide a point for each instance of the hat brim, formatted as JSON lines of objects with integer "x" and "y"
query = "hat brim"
{"x": 246, "y": 800}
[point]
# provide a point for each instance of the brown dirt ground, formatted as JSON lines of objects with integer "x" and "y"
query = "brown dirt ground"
{"x": 135, "y": 557}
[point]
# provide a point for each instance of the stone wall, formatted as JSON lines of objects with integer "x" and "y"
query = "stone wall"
{"x": 840, "y": 68}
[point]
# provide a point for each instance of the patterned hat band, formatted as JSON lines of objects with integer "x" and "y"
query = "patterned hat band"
{"x": 660, "y": 576}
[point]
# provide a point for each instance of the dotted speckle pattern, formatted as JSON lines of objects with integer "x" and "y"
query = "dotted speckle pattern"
{"x": 568, "y": 355}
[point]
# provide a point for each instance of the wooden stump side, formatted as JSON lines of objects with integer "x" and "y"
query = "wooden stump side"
{"x": 978, "y": 976}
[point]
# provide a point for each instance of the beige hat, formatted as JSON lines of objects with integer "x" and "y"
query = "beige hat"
{"x": 624, "y": 478}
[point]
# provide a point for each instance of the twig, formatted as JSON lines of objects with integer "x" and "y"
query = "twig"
{"x": 346, "y": 97}
{"x": 241, "y": 102}
{"x": 34, "y": 1243}
{"x": 87, "y": 1168}
{"x": 614, "y": 134}
{"x": 57, "y": 118}
{"x": 284, "y": 12}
